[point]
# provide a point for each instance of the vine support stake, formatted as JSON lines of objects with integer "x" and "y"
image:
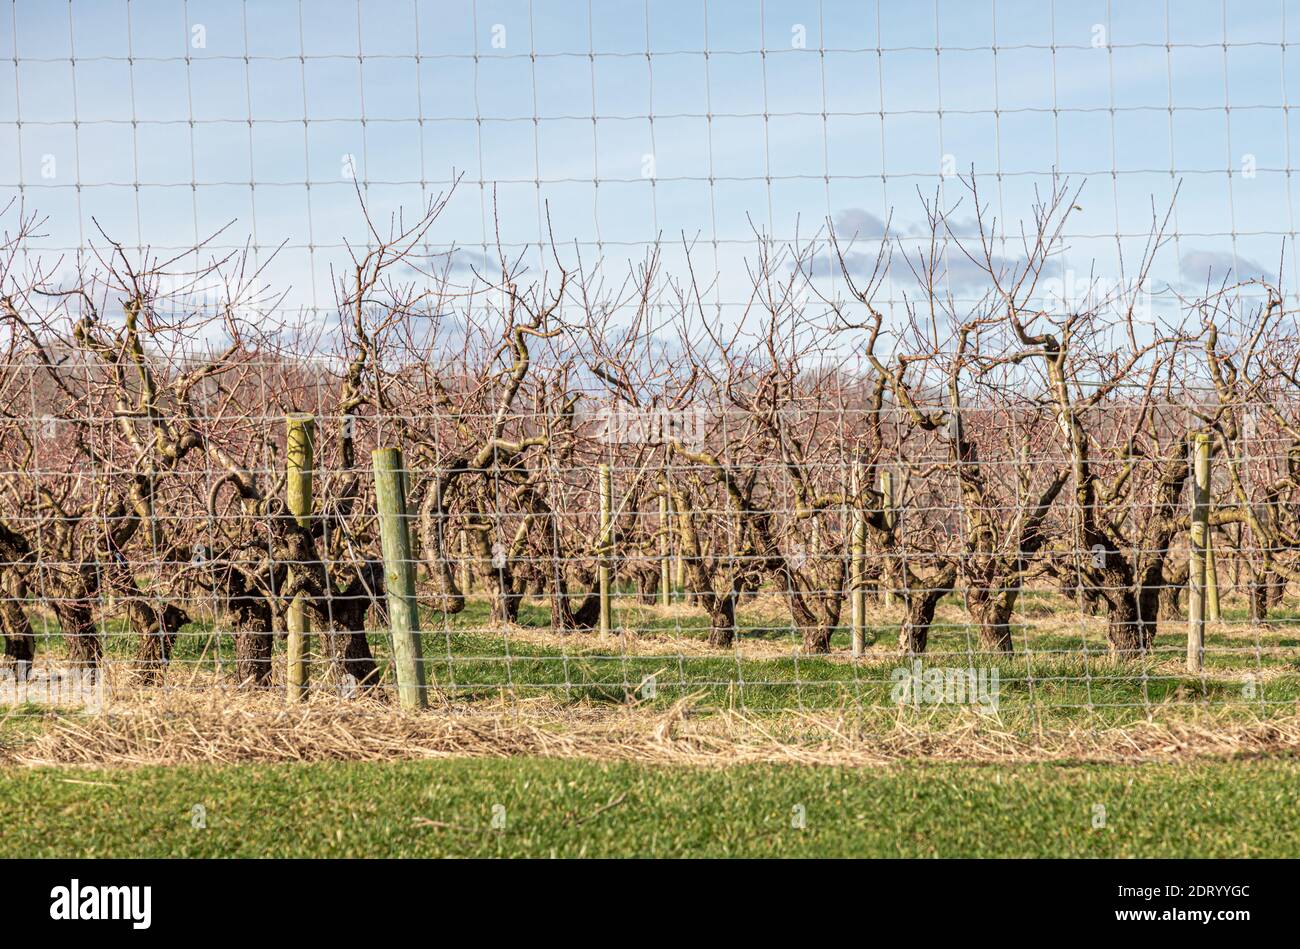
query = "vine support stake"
{"x": 606, "y": 542}
{"x": 857, "y": 567}
{"x": 300, "y": 453}
{"x": 1198, "y": 540}
{"x": 399, "y": 575}
{"x": 887, "y": 492}
{"x": 665, "y": 553}
{"x": 679, "y": 567}
{"x": 1212, "y": 614}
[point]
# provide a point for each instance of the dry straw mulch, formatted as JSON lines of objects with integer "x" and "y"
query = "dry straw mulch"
{"x": 183, "y": 728}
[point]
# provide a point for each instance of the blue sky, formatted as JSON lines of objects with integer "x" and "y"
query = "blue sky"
{"x": 860, "y": 114}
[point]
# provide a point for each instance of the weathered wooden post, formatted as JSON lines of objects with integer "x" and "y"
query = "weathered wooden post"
{"x": 886, "y": 574}
{"x": 606, "y": 541}
{"x": 665, "y": 553}
{"x": 857, "y": 562}
{"x": 1212, "y": 614}
{"x": 679, "y": 566}
{"x": 1198, "y": 536}
{"x": 300, "y": 454}
{"x": 399, "y": 575}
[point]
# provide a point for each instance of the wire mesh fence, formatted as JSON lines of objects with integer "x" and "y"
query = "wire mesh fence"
{"x": 686, "y": 408}
{"x": 784, "y": 540}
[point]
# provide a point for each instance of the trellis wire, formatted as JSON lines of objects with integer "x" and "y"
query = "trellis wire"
{"x": 429, "y": 172}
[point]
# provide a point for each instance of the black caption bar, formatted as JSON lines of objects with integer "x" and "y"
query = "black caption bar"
{"x": 138, "y": 899}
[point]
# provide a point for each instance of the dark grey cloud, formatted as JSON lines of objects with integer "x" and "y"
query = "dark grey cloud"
{"x": 955, "y": 270}
{"x": 459, "y": 262}
{"x": 862, "y": 224}
{"x": 858, "y": 223}
{"x": 961, "y": 273}
{"x": 1213, "y": 267}
{"x": 868, "y": 229}
{"x": 964, "y": 227}
{"x": 823, "y": 265}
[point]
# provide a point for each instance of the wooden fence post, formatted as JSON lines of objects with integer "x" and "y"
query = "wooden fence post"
{"x": 679, "y": 565}
{"x": 606, "y": 541}
{"x": 665, "y": 553}
{"x": 399, "y": 575}
{"x": 1212, "y": 614}
{"x": 1196, "y": 567}
{"x": 300, "y": 455}
{"x": 857, "y": 563}
{"x": 887, "y": 491}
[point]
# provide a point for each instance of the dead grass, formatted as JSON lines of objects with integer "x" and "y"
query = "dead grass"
{"x": 208, "y": 727}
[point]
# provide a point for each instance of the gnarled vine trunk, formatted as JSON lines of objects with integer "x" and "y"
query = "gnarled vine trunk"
{"x": 991, "y": 610}
{"x": 921, "y": 602}
{"x": 20, "y": 642}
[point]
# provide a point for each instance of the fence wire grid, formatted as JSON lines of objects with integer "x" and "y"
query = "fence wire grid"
{"x": 771, "y": 355}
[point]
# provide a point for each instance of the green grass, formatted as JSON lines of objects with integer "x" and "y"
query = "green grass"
{"x": 580, "y": 808}
{"x": 1060, "y": 675}
{"x": 1065, "y": 687}
{"x": 1064, "y": 678}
